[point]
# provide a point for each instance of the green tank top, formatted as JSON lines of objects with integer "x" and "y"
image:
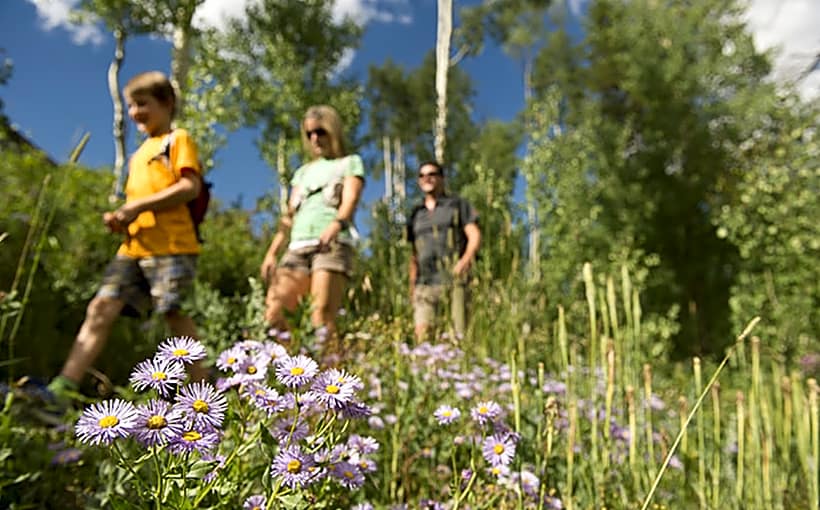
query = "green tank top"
{"x": 316, "y": 192}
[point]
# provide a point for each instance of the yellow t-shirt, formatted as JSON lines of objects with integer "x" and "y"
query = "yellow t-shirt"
{"x": 168, "y": 231}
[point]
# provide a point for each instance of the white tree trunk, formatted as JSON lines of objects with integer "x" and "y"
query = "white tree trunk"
{"x": 445, "y": 31}
{"x": 118, "y": 126}
{"x": 400, "y": 175}
{"x": 181, "y": 53}
{"x": 282, "y": 172}
{"x": 533, "y": 259}
{"x": 388, "y": 171}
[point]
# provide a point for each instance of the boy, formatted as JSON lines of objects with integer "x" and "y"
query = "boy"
{"x": 156, "y": 263}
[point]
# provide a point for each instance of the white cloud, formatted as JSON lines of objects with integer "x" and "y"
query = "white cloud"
{"x": 344, "y": 62}
{"x": 217, "y": 13}
{"x": 791, "y": 27}
{"x": 56, "y": 14}
{"x": 576, "y": 7}
{"x": 364, "y": 11}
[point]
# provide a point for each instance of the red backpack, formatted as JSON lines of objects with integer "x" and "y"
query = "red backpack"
{"x": 198, "y": 206}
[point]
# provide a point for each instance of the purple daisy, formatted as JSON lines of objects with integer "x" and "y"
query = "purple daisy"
{"x": 348, "y": 475}
{"x": 274, "y": 350}
{"x": 529, "y": 482}
{"x": 294, "y": 467}
{"x": 253, "y": 368}
{"x": 362, "y": 444}
{"x": 446, "y": 414}
{"x": 257, "y": 502}
{"x": 367, "y": 465}
{"x": 200, "y": 439}
{"x": 287, "y": 433}
{"x": 201, "y": 404}
{"x": 219, "y": 463}
{"x": 105, "y": 421}
{"x": 230, "y": 359}
{"x": 265, "y": 398}
{"x": 295, "y": 371}
{"x": 249, "y": 345}
{"x": 498, "y": 450}
{"x": 486, "y": 412}
{"x": 356, "y": 410}
{"x": 66, "y": 456}
{"x": 344, "y": 378}
{"x": 160, "y": 374}
{"x": 157, "y": 423}
{"x": 332, "y": 393}
{"x": 181, "y": 348}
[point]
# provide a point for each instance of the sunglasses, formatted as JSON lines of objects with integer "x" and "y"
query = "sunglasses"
{"x": 318, "y": 132}
{"x": 429, "y": 174}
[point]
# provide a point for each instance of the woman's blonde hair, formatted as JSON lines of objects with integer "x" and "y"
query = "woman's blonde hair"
{"x": 155, "y": 84}
{"x": 329, "y": 119}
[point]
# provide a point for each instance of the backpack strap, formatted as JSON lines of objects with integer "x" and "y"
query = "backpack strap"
{"x": 164, "y": 153}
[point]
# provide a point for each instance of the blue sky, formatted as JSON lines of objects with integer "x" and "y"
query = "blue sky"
{"x": 58, "y": 88}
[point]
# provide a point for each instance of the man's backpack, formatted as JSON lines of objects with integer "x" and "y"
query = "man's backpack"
{"x": 198, "y": 206}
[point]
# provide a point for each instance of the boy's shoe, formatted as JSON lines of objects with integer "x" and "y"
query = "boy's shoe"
{"x": 49, "y": 403}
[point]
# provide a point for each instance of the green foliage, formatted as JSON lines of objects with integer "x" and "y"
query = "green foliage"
{"x": 62, "y": 284}
{"x": 231, "y": 252}
{"x": 773, "y": 222}
{"x": 285, "y": 65}
{"x": 635, "y": 153}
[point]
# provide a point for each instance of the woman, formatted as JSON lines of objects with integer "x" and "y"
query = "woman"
{"x": 317, "y": 227}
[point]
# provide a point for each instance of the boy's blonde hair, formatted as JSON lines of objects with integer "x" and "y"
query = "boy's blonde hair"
{"x": 155, "y": 84}
{"x": 329, "y": 119}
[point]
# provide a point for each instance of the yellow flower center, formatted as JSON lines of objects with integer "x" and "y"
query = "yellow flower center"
{"x": 483, "y": 410}
{"x": 498, "y": 449}
{"x": 200, "y": 406}
{"x": 447, "y": 413}
{"x": 108, "y": 421}
{"x": 231, "y": 361}
{"x": 496, "y": 471}
{"x": 191, "y": 436}
{"x": 294, "y": 466}
{"x": 159, "y": 376}
{"x": 297, "y": 371}
{"x": 348, "y": 475}
{"x": 157, "y": 422}
{"x": 260, "y": 391}
{"x": 332, "y": 389}
{"x": 180, "y": 352}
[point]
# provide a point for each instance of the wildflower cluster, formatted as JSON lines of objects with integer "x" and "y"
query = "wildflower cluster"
{"x": 473, "y": 406}
{"x": 184, "y": 418}
{"x": 290, "y": 397}
{"x": 302, "y": 401}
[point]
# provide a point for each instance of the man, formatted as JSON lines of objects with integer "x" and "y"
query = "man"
{"x": 444, "y": 233}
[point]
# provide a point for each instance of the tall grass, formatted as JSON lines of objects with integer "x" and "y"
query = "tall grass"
{"x": 756, "y": 450}
{"x": 42, "y": 217}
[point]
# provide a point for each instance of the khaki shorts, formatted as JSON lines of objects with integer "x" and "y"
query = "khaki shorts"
{"x": 430, "y": 301}
{"x": 160, "y": 282}
{"x": 339, "y": 259}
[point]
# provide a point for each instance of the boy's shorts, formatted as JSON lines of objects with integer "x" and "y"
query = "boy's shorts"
{"x": 339, "y": 258}
{"x": 160, "y": 282}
